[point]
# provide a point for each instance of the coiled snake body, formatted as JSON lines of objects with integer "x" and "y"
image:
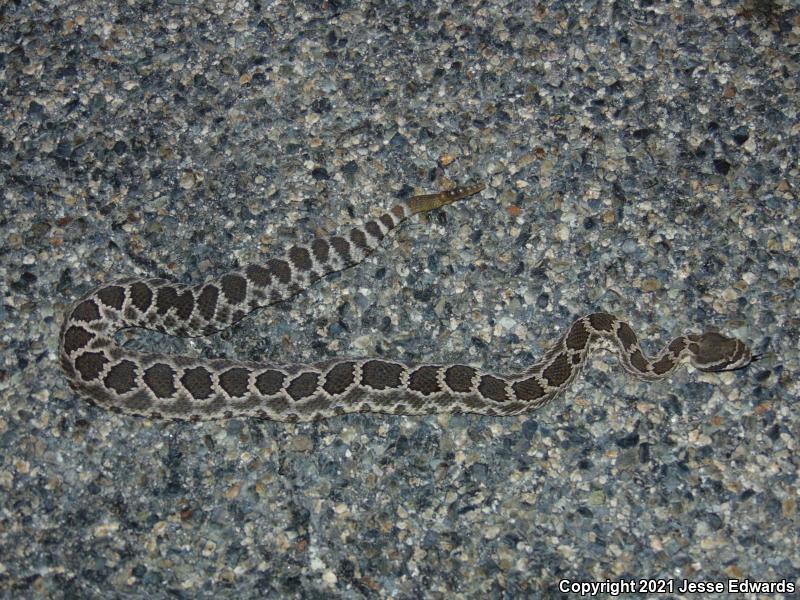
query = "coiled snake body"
{"x": 178, "y": 387}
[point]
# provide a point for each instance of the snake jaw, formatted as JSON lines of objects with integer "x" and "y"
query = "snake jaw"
{"x": 714, "y": 353}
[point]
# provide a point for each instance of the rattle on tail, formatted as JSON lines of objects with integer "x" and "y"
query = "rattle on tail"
{"x": 179, "y": 387}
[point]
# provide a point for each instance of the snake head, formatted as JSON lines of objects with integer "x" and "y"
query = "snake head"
{"x": 714, "y": 352}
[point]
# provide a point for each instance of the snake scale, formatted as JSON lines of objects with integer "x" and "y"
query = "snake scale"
{"x": 179, "y": 387}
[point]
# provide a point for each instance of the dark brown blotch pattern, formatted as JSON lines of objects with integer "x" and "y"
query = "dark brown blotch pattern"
{"x": 258, "y": 275}
{"x": 121, "y": 377}
{"x": 160, "y": 378}
{"x": 320, "y": 249}
{"x": 340, "y": 378}
{"x": 112, "y": 296}
{"x": 626, "y": 335}
{"x": 358, "y": 238}
{"x": 300, "y": 258}
{"x": 601, "y": 321}
{"x": 528, "y": 390}
{"x": 302, "y": 386}
{"x": 90, "y": 365}
{"x": 270, "y": 382}
{"x": 280, "y": 269}
{"x": 342, "y": 247}
{"x": 638, "y": 360}
{"x": 76, "y": 338}
{"x": 207, "y": 302}
{"x": 166, "y": 298}
{"x": 184, "y": 305}
{"x": 86, "y": 311}
{"x": 141, "y": 295}
{"x": 423, "y": 380}
{"x": 493, "y": 388}
{"x": 459, "y": 378}
{"x": 387, "y": 220}
{"x": 234, "y": 286}
{"x": 558, "y": 371}
{"x": 577, "y": 337}
{"x": 677, "y": 346}
{"x": 379, "y": 374}
{"x": 374, "y": 230}
{"x": 234, "y": 381}
{"x": 197, "y": 382}
{"x": 663, "y": 365}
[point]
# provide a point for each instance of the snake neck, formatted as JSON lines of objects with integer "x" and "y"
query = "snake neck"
{"x": 564, "y": 360}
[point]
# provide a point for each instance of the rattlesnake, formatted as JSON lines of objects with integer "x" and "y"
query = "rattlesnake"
{"x": 179, "y": 387}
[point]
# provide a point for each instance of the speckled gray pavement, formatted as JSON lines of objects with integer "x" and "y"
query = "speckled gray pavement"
{"x": 640, "y": 158}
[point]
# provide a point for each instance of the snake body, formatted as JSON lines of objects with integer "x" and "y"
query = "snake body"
{"x": 178, "y": 387}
